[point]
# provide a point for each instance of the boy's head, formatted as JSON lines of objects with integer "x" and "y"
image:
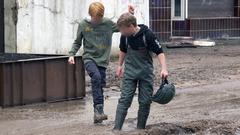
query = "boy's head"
{"x": 96, "y": 11}
{"x": 127, "y": 24}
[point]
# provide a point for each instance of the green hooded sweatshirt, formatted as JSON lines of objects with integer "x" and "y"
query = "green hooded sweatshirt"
{"x": 96, "y": 39}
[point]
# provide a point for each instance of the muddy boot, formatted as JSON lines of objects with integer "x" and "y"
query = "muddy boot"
{"x": 119, "y": 120}
{"x": 99, "y": 115}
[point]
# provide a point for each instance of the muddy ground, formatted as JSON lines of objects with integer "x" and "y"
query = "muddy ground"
{"x": 207, "y": 101}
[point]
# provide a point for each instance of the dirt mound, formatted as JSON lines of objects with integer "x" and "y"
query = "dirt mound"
{"x": 195, "y": 127}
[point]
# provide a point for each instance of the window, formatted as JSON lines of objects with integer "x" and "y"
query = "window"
{"x": 179, "y": 9}
{"x": 210, "y": 8}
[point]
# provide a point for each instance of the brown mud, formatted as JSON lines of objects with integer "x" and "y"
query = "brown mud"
{"x": 207, "y": 101}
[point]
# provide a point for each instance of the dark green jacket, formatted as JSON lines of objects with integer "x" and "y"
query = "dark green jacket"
{"x": 96, "y": 39}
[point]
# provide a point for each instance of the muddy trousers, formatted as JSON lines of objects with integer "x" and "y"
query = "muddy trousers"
{"x": 98, "y": 81}
{"x": 138, "y": 71}
{"x": 129, "y": 86}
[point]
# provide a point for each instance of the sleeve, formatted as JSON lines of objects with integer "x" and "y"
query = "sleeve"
{"x": 153, "y": 43}
{"x": 77, "y": 43}
{"x": 114, "y": 27}
{"x": 123, "y": 46}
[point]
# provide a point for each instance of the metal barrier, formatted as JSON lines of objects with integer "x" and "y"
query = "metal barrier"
{"x": 27, "y": 79}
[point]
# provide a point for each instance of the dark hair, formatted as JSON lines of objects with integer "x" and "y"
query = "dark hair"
{"x": 127, "y": 19}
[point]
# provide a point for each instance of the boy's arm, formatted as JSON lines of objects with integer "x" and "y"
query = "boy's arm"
{"x": 162, "y": 61}
{"x": 114, "y": 27}
{"x": 77, "y": 43}
{"x": 120, "y": 71}
{"x": 122, "y": 55}
{"x": 121, "y": 58}
{"x": 131, "y": 10}
{"x": 155, "y": 46}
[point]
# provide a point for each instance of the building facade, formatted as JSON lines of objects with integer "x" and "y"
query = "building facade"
{"x": 195, "y": 18}
{"x": 50, "y": 26}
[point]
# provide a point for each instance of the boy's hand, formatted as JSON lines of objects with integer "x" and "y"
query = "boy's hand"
{"x": 131, "y": 9}
{"x": 119, "y": 71}
{"x": 71, "y": 60}
{"x": 164, "y": 73}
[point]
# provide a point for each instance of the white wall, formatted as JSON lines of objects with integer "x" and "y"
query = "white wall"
{"x": 10, "y": 27}
{"x": 49, "y": 26}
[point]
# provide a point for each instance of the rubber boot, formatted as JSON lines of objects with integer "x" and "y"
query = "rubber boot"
{"x": 99, "y": 115}
{"x": 119, "y": 120}
{"x": 142, "y": 120}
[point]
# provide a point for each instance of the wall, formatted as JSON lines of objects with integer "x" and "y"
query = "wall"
{"x": 206, "y": 19}
{"x": 160, "y": 18}
{"x": 214, "y": 28}
{"x": 237, "y": 8}
{"x": 210, "y": 8}
{"x": 1, "y": 26}
{"x": 213, "y": 19}
{"x": 10, "y": 20}
{"x": 49, "y": 26}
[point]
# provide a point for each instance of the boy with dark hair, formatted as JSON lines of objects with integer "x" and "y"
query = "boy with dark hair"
{"x": 136, "y": 44}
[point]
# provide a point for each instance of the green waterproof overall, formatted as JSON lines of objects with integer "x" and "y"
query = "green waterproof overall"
{"x": 138, "y": 72}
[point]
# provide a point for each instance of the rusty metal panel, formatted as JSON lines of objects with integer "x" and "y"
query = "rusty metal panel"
{"x": 46, "y": 79}
{"x": 56, "y": 75}
{"x": 7, "y": 85}
{"x": 80, "y": 77}
{"x": 1, "y": 85}
{"x": 32, "y": 81}
{"x": 16, "y": 83}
